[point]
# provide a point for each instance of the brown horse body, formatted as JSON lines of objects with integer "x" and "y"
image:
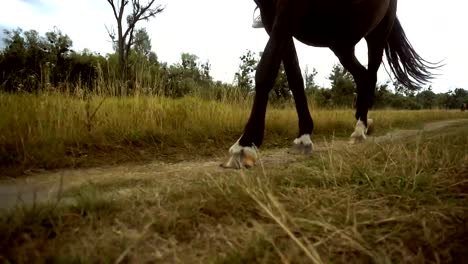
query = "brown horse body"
{"x": 338, "y": 25}
{"x": 345, "y": 23}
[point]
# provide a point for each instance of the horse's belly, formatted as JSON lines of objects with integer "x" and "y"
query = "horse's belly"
{"x": 326, "y": 24}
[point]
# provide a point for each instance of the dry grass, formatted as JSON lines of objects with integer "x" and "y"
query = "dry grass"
{"x": 400, "y": 202}
{"x": 52, "y": 131}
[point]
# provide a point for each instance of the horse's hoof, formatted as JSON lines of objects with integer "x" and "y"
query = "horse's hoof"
{"x": 302, "y": 145}
{"x": 241, "y": 157}
{"x": 360, "y": 131}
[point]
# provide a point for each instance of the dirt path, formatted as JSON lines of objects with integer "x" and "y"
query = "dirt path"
{"x": 45, "y": 186}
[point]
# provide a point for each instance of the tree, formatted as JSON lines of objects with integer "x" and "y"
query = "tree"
{"x": 153, "y": 58}
{"x": 426, "y": 98}
{"x": 343, "y": 88}
{"x": 320, "y": 96}
{"x": 460, "y": 96}
{"x": 205, "y": 71}
{"x": 188, "y": 76}
{"x": 142, "y": 42}
{"x": 125, "y": 38}
{"x": 32, "y": 62}
{"x": 243, "y": 79}
{"x": 281, "y": 86}
{"x": 58, "y": 46}
{"x": 309, "y": 78}
{"x": 189, "y": 61}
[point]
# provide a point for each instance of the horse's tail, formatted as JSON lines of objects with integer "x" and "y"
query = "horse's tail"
{"x": 409, "y": 68}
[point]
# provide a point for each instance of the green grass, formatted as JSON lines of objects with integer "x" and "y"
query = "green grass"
{"x": 394, "y": 202}
{"x": 53, "y": 131}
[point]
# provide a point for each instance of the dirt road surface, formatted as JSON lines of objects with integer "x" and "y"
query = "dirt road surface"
{"x": 47, "y": 186}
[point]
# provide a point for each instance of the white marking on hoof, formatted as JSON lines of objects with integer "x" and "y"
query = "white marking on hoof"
{"x": 302, "y": 145}
{"x": 304, "y": 140}
{"x": 241, "y": 157}
{"x": 359, "y": 133}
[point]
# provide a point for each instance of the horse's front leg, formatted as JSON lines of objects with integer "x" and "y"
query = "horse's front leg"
{"x": 303, "y": 143}
{"x": 243, "y": 152}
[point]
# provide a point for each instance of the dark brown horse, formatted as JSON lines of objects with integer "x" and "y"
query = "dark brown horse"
{"x": 338, "y": 25}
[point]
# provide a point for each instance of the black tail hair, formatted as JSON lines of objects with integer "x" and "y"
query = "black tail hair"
{"x": 409, "y": 68}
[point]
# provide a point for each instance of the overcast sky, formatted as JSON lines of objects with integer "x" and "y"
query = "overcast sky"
{"x": 220, "y": 31}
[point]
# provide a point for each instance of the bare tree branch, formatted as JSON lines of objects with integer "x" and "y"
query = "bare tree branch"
{"x": 111, "y": 2}
{"x": 142, "y": 13}
{"x": 111, "y": 33}
{"x": 123, "y": 3}
{"x": 124, "y": 39}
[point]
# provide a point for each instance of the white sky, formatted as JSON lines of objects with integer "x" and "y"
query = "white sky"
{"x": 220, "y": 31}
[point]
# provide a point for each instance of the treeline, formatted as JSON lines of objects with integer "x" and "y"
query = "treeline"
{"x": 387, "y": 95}
{"x": 32, "y": 63}
{"x": 342, "y": 91}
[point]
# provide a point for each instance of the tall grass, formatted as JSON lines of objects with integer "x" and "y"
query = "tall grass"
{"x": 402, "y": 201}
{"x": 53, "y": 130}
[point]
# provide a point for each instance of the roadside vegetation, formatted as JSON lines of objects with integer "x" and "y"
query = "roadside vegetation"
{"x": 52, "y": 131}
{"x": 394, "y": 202}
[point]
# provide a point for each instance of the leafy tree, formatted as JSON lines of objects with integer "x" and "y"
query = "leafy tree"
{"x": 281, "y": 87}
{"x": 189, "y": 61}
{"x": 24, "y": 60}
{"x": 153, "y": 58}
{"x": 59, "y": 46}
{"x": 426, "y": 98}
{"x": 323, "y": 97}
{"x": 383, "y": 96}
{"x": 32, "y": 62}
{"x": 243, "y": 79}
{"x": 342, "y": 86}
{"x": 205, "y": 69}
{"x": 84, "y": 69}
{"x": 400, "y": 89}
{"x": 457, "y": 98}
{"x": 188, "y": 76}
{"x": 309, "y": 77}
{"x": 312, "y": 90}
{"x": 142, "y": 42}
{"x": 58, "y": 43}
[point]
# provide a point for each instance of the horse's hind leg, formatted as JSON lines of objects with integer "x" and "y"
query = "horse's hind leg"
{"x": 375, "y": 47}
{"x": 302, "y": 144}
{"x": 366, "y": 79}
{"x": 376, "y": 42}
{"x": 364, "y": 86}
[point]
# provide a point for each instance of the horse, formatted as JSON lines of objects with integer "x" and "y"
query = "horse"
{"x": 338, "y": 25}
{"x": 463, "y": 107}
